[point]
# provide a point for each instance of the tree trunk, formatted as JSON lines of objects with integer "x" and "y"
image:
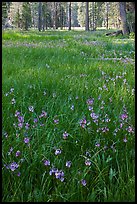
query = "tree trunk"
{"x": 93, "y": 16}
{"x": 87, "y": 17}
{"x": 122, "y": 9}
{"x": 69, "y": 16}
{"x": 40, "y": 16}
{"x": 107, "y": 15}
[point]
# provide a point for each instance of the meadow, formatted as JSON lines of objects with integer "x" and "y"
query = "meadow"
{"x": 68, "y": 117}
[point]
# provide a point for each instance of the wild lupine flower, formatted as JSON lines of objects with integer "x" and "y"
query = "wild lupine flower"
{"x": 130, "y": 129}
{"x": 88, "y": 162}
{"x": 56, "y": 121}
{"x": 18, "y": 153}
{"x": 105, "y": 129}
{"x": 20, "y": 125}
{"x": 83, "y": 123}
{"x": 26, "y": 140}
{"x": 59, "y": 175}
{"x": 11, "y": 149}
{"x": 121, "y": 125}
{"x": 97, "y": 144}
{"x": 90, "y": 101}
{"x": 93, "y": 115}
{"x": 43, "y": 114}
{"x": 58, "y": 151}
{"x": 125, "y": 140}
{"x": 35, "y": 120}
{"x": 52, "y": 171}
{"x": 31, "y": 108}
{"x": 41, "y": 124}
{"x": 13, "y": 166}
{"x": 107, "y": 120}
{"x": 46, "y": 162}
{"x": 124, "y": 116}
{"x": 65, "y": 135}
{"x": 83, "y": 182}
{"x": 27, "y": 126}
{"x": 68, "y": 164}
{"x": 88, "y": 154}
{"x": 90, "y": 108}
{"x": 18, "y": 174}
{"x": 72, "y": 107}
{"x": 105, "y": 87}
{"x": 17, "y": 113}
{"x": 13, "y": 101}
{"x": 20, "y": 119}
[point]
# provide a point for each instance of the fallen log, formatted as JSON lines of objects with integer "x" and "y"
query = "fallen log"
{"x": 116, "y": 33}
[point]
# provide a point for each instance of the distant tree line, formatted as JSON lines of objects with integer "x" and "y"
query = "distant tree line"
{"x": 55, "y": 15}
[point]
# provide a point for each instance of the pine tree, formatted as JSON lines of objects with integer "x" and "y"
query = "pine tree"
{"x": 26, "y": 15}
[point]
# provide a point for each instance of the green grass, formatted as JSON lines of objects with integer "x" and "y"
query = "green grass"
{"x": 57, "y": 72}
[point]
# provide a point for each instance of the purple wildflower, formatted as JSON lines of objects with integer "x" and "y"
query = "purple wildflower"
{"x": 58, "y": 151}
{"x": 124, "y": 116}
{"x": 83, "y": 123}
{"x": 97, "y": 144}
{"x": 72, "y": 107}
{"x": 18, "y": 174}
{"x": 105, "y": 129}
{"x": 88, "y": 162}
{"x": 59, "y": 175}
{"x": 17, "y": 113}
{"x": 20, "y": 125}
{"x": 68, "y": 164}
{"x": 90, "y": 101}
{"x": 121, "y": 125}
{"x": 35, "y": 120}
{"x": 125, "y": 140}
{"x": 83, "y": 182}
{"x": 65, "y": 135}
{"x": 56, "y": 121}
{"x": 52, "y": 171}
{"x": 46, "y": 162}
{"x": 93, "y": 115}
{"x": 130, "y": 129}
{"x": 31, "y": 108}
{"x": 11, "y": 149}
{"x": 88, "y": 154}
{"x": 18, "y": 153}
{"x": 43, "y": 114}
{"x": 20, "y": 119}
{"x": 27, "y": 126}
{"x": 90, "y": 108}
{"x": 13, "y": 166}
{"x": 26, "y": 140}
